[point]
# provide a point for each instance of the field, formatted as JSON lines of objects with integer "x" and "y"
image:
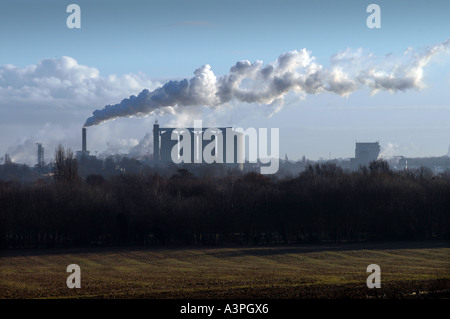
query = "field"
{"x": 408, "y": 270}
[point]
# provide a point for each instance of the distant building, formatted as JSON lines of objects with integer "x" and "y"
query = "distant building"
{"x": 365, "y": 153}
{"x": 7, "y": 159}
{"x": 438, "y": 165}
{"x": 163, "y": 144}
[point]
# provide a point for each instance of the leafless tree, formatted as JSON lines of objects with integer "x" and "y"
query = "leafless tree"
{"x": 66, "y": 166}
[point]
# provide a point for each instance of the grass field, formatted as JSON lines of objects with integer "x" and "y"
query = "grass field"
{"x": 408, "y": 270}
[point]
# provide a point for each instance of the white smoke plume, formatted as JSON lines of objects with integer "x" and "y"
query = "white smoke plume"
{"x": 389, "y": 151}
{"x": 130, "y": 146}
{"x": 294, "y": 71}
{"x": 143, "y": 148}
{"x": 25, "y": 152}
{"x": 119, "y": 146}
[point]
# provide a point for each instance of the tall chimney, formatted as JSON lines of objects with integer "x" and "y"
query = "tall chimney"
{"x": 84, "y": 148}
{"x": 156, "y": 141}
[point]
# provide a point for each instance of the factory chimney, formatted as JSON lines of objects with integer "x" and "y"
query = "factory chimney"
{"x": 156, "y": 141}
{"x": 84, "y": 153}
{"x": 40, "y": 154}
{"x": 83, "y": 147}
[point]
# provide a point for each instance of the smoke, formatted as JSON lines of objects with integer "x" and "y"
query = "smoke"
{"x": 119, "y": 146}
{"x": 389, "y": 151}
{"x": 143, "y": 148}
{"x": 130, "y": 146}
{"x": 294, "y": 71}
{"x": 24, "y": 152}
{"x": 394, "y": 76}
{"x": 24, "y": 149}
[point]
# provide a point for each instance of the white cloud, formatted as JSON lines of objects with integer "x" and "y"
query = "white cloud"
{"x": 63, "y": 81}
{"x": 48, "y": 102}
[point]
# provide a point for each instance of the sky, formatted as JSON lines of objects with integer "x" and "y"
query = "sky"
{"x": 388, "y": 84}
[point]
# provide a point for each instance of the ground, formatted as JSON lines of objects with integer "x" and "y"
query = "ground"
{"x": 408, "y": 270}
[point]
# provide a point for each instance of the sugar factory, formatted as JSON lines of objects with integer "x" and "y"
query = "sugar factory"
{"x": 222, "y": 148}
{"x": 211, "y": 145}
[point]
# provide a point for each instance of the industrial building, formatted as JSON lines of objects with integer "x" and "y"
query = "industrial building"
{"x": 365, "y": 153}
{"x": 163, "y": 145}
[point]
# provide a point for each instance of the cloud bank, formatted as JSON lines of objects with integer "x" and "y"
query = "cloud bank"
{"x": 48, "y": 102}
{"x": 294, "y": 71}
{"x": 63, "y": 81}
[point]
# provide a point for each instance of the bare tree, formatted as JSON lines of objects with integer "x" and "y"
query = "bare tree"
{"x": 66, "y": 166}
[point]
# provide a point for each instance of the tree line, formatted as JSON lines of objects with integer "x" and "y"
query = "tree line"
{"x": 321, "y": 204}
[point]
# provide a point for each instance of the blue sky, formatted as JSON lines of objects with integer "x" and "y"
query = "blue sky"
{"x": 129, "y": 36}
{"x": 155, "y": 41}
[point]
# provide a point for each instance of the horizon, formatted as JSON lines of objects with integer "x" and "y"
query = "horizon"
{"x": 388, "y": 84}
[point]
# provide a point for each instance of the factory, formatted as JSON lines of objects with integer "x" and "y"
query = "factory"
{"x": 224, "y": 145}
{"x": 206, "y": 145}
{"x": 203, "y": 145}
{"x": 364, "y": 154}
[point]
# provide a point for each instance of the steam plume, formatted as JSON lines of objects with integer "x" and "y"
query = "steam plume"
{"x": 294, "y": 71}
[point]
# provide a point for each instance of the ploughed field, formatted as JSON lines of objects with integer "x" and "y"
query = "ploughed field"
{"x": 408, "y": 270}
